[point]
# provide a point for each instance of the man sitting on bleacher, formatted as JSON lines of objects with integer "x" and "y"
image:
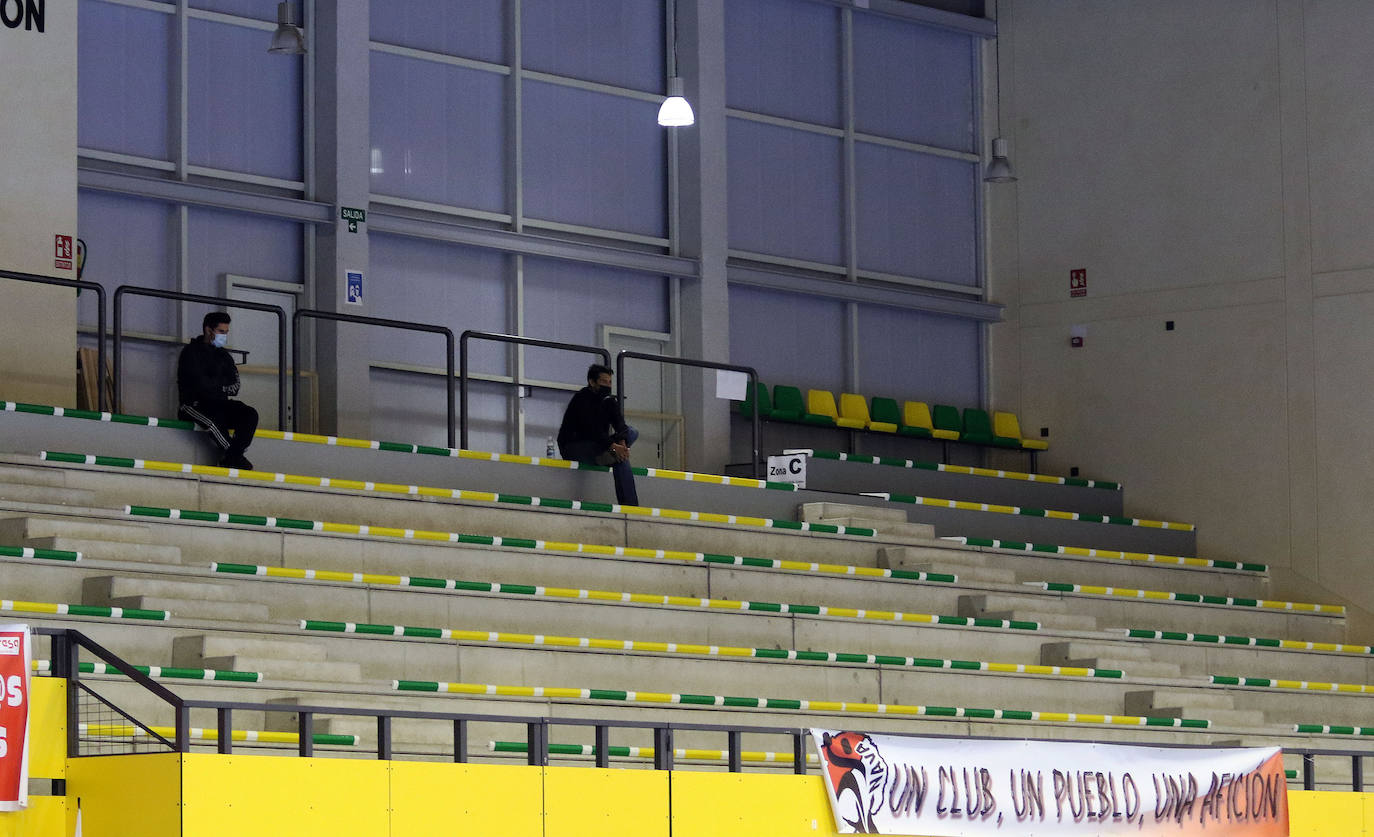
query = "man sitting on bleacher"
{"x": 594, "y": 430}
{"x": 206, "y": 378}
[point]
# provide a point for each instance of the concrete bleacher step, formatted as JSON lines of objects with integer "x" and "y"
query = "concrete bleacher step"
{"x": 1218, "y": 707}
{"x": 21, "y": 474}
{"x": 1049, "y": 613}
{"x": 186, "y": 599}
{"x": 22, "y": 529}
{"x": 110, "y": 550}
{"x": 967, "y": 566}
{"x": 1134, "y": 659}
{"x": 889, "y": 523}
{"x": 276, "y": 658}
{"x": 48, "y": 494}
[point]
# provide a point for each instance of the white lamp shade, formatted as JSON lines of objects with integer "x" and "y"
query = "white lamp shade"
{"x": 675, "y": 112}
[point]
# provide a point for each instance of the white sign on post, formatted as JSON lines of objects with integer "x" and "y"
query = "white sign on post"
{"x": 732, "y": 386}
{"x": 790, "y": 467}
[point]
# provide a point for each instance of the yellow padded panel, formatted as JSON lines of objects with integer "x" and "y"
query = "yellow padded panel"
{"x": 945, "y": 434}
{"x": 591, "y": 800}
{"x": 256, "y": 794}
{"x": 916, "y": 414}
{"x": 854, "y": 412}
{"x": 1035, "y": 444}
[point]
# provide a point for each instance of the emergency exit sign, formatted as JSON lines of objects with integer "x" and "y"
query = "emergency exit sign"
{"x": 1078, "y": 282}
{"x": 354, "y": 217}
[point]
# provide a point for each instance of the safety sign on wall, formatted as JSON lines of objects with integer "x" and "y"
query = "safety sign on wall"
{"x": 15, "y": 659}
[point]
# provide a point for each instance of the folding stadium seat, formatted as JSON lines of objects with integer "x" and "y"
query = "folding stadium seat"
{"x": 856, "y": 407}
{"x": 1006, "y": 424}
{"x": 978, "y": 430}
{"x": 760, "y": 397}
{"x": 886, "y": 411}
{"x": 821, "y": 402}
{"x": 947, "y": 422}
{"x": 788, "y": 406}
{"x": 916, "y": 422}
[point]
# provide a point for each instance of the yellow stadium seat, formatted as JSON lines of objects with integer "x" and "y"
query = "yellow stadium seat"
{"x": 917, "y": 414}
{"x": 821, "y": 402}
{"x": 1006, "y": 424}
{"x": 855, "y": 407}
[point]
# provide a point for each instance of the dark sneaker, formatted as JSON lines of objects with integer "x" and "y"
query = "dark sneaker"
{"x": 238, "y": 461}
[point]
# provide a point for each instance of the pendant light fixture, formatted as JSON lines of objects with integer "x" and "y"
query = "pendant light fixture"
{"x": 676, "y": 111}
{"x": 288, "y": 39}
{"x": 999, "y": 167}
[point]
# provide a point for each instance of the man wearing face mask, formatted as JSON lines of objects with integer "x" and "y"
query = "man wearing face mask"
{"x": 594, "y": 430}
{"x": 206, "y": 378}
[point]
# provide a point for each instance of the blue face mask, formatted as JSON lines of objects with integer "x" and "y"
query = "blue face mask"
{"x": 219, "y": 341}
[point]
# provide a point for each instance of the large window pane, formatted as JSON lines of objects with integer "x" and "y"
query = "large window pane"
{"x": 242, "y": 244}
{"x": 245, "y": 104}
{"x": 594, "y": 159}
{"x": 470, "y": 29}
{"x": 785, "y": 196}
{"x": 438, "y": 133}
{"x": 913, "y": 355}
{"x": 430, "y": 282}
{"x": 123, "y": 79}
{"x": 570, "y": 302}
{"x": 916, "y": 214}
{"x": 913, "y": 82}
{"x": 783, "y": 59}
{"x": 789, "y": 338}
{"x": 129, "y": 241}
{"x": 616, "y": 42}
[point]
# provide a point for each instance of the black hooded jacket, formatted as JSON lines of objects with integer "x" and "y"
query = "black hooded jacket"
{"x": 206, "y": 373}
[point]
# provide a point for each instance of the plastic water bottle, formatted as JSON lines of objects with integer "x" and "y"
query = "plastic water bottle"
{"x": 549, "y": 450}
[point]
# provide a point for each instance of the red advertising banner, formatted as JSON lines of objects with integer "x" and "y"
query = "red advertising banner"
{"x": 15, "y": 658}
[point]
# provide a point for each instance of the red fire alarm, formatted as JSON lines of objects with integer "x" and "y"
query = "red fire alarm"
{"x": 1076, "y": 335}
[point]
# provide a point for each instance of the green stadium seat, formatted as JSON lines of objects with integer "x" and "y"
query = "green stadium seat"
{"x": 1006, "y": 424}
{"x": 947, "y": 423}
{"x": 788, "y": 406}
{"x": 758, "y": 396}
{"x": 977, "y": 429}
{"x": 856, "y": 407}
{"x": 821, "y": 402}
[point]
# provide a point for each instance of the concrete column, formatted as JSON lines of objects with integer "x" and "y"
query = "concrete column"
{"x": 702, "y": 203}
{"x": 342, "y": 168}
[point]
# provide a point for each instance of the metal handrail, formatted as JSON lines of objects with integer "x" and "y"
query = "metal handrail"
{"x": 508, "y": 338}
{"x": 135, "y": 290}
{"x": 335, "y": 316}
{"x": 68, "y": 642}
{"x": 753, "y": 374}
{"x": 99, "y": 325}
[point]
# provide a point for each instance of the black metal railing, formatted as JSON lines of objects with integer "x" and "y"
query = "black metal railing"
{"x": 68, "y": 644}
{"x": 517, "y": 340}
{"x": 135, "y": 290}
{"x": 101, "y": 403}
{"x": 753, "y": 374}
{"x": 333, "y": 316}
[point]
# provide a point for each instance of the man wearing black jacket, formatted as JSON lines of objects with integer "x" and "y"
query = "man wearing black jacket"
{"x": 594, "y": 430}
{"x": 206, "y": 378}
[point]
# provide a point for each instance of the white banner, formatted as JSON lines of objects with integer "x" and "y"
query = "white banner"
{"x": 15, "y": 659}
{"x": 943, "y": 787}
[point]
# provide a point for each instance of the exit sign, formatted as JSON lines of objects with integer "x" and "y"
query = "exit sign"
{"x": 1078, "y": 282}
{"x": 354, "y": 217}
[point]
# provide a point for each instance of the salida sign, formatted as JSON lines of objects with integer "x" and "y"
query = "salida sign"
{"x": 881, "y": 784}
{"x": 29, "y": 14}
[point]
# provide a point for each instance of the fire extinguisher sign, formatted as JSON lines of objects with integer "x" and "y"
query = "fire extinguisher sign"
{"x": 15, "y": 660}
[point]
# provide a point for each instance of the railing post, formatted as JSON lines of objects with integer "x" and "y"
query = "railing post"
{"x": 117, "y": 364}
{"x": 537, "y": 743}
{"x": 183, "y": 729}
{"x": 65, "y": 664}
{"x": 1309, "y": 772}
{"x": 1357, "y": 773}
{"x": 463, "y": 391}
{"x": 305, "y": 724}
{"x": 733, "y": 747}
{"x": 663, "y": 748}
{"x": 603, "y": 745}
{"x": 448, "y": 387}
{"x": 799, "y": 752}
{"x": 224, "y": 722}
{"x": 460, "y": 741}
{"x": 296, "y": 370}
{"x": 384, "y": 737}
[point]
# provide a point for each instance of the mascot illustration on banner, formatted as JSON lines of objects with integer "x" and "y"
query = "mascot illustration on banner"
{"x": 858, "y": 776}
